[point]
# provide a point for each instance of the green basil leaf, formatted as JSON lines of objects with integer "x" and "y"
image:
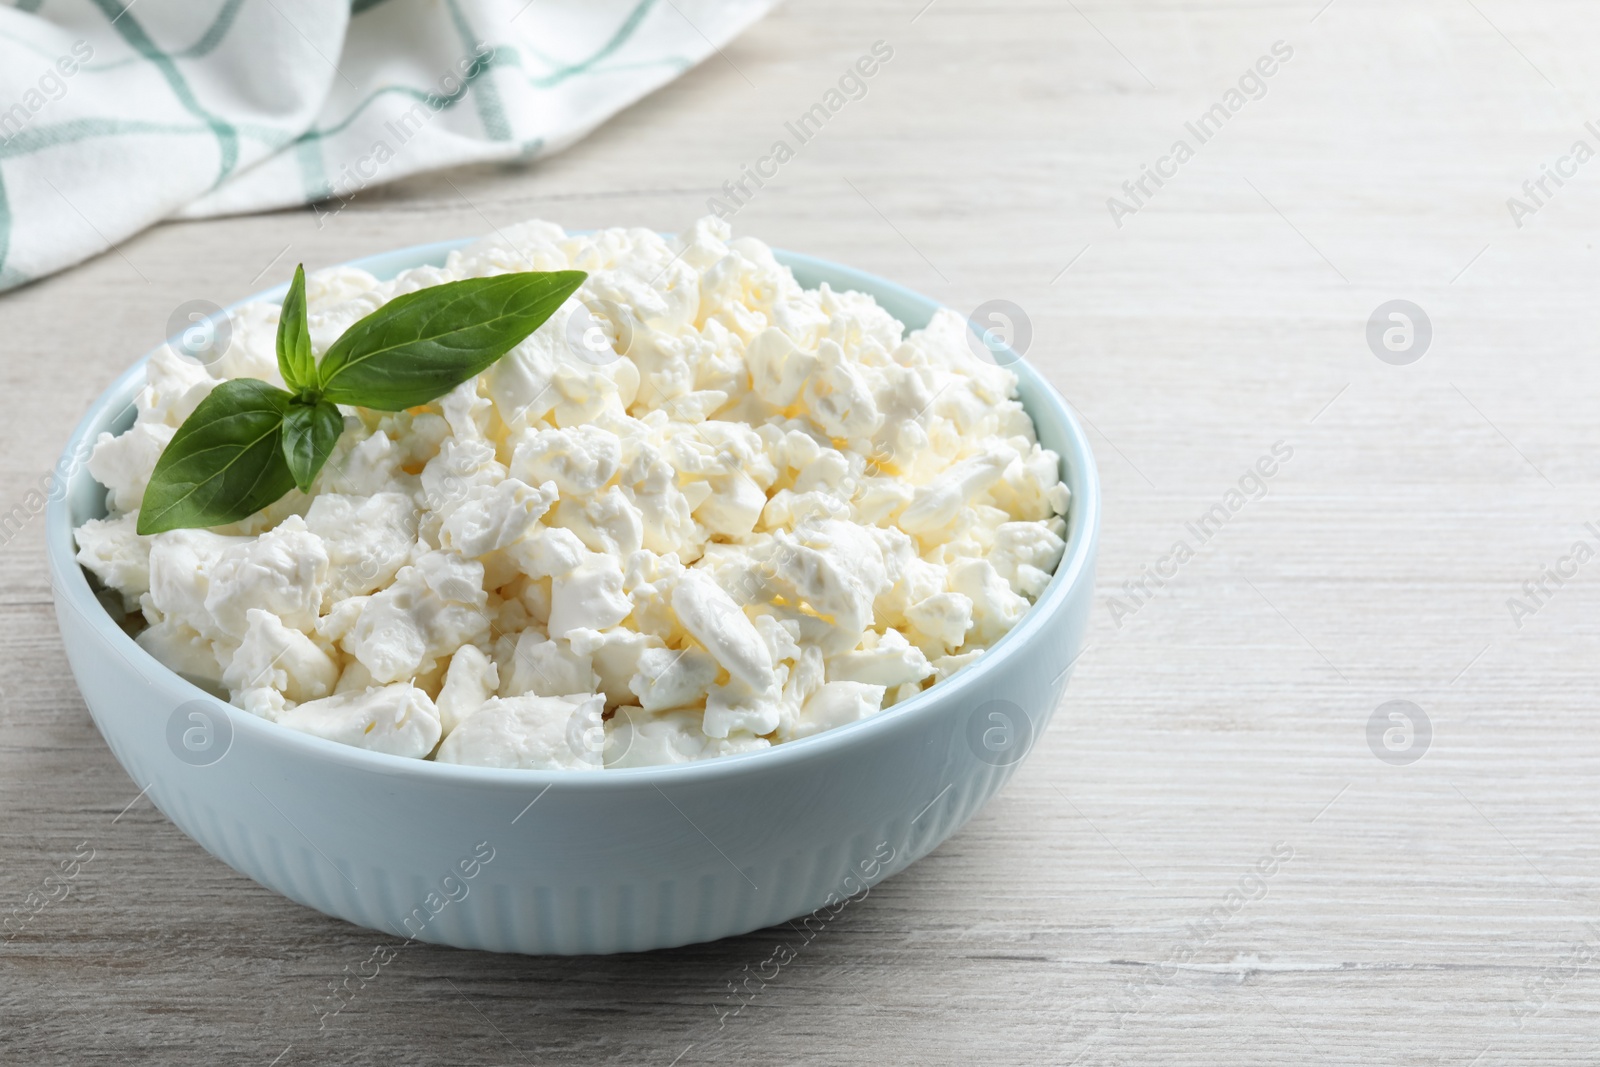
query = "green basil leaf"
{"x": 309, "y": 434}
{"x": 224, "y": 464}
{"x": 421, "y": 345}
{"x": 295, "y": 361}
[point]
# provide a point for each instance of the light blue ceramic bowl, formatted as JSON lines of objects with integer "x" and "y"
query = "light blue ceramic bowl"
{"x": 574, "y": 863}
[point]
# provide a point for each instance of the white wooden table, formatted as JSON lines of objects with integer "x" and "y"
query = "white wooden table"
{"x": 1431, "y": 912}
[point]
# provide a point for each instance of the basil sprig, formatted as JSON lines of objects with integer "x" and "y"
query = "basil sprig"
{"x": 248, "y": 443}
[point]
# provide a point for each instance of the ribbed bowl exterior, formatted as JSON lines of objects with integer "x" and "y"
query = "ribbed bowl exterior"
{"x": 582, "y": 863}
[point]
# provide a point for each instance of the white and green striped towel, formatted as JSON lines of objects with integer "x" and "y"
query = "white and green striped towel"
{"x": 115, "y": 114}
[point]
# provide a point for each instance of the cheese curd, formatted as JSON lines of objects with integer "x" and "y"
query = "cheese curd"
{"x": 701, "y": 511}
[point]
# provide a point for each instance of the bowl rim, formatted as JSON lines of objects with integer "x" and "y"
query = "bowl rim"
{"x": 71, "y": 589}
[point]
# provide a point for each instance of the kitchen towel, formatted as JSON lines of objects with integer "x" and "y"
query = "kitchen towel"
{"x": 115, "y": 114}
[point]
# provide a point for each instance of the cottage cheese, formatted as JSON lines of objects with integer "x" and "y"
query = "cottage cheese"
{"x": 701, "y": 511}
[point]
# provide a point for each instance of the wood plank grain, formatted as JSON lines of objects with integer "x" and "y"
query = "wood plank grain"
{"x": 1437, "y": 913}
